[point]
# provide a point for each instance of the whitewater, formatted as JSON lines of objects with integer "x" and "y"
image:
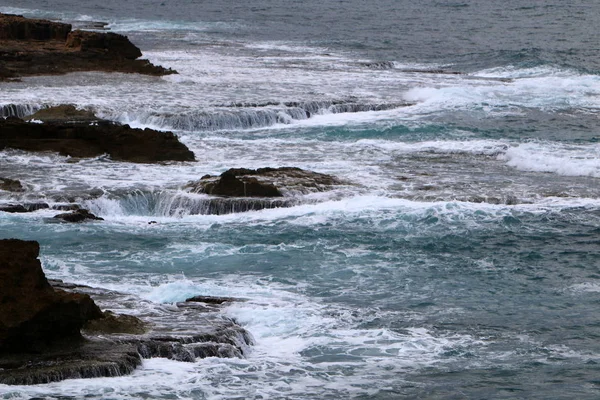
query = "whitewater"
{"x": 461, "y": 260}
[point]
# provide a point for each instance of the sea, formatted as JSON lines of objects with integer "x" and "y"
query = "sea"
{"x": 462, "y": 260}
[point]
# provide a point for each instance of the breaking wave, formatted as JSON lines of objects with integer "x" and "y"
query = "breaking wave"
{"x": 246, "y": 115}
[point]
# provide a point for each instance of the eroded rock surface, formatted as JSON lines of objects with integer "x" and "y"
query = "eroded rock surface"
{"x": 243, "y": 189}
{"x": 64, "y": 113}
{"x": 80, "y": 215}
{"x": 41, "y": 325}
{"x": 23, "y": 207}
{"x": 81, "y": 139}
{"x": 264, "y": 182}
{"x": 33, "y": 315}
{"x": 39, "y": 47}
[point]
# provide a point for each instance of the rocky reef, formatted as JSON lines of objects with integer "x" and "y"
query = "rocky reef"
{"x": 243, "y": 189}
{"x": 264, "y": 182}
{"x": 39, "y": 47}
{"x": 50, "y": 331}
{"x": 77, "y": 133}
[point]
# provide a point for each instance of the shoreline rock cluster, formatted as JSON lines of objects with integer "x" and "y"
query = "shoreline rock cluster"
{"x": 31, "y": 47}
{"x": 41, "y": 327}
{"x": 51, "y": 331}
{"x": 79, "y": 133}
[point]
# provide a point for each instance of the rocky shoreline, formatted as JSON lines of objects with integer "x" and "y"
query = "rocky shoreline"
{"x": 51, "y": 331}
{"x": 30, "y": 47}
{"x": 79, "y": 133}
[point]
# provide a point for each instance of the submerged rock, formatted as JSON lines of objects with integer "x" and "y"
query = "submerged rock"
{"x": 121, "y": 142}
{"x": 11, "y": 185}
{"x": 78, "y": 216}
{"x": 39, "y": 47}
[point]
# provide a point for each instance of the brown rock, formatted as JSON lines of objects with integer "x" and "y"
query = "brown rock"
{"x": 11, "y": 185}
{"x": 16, "y": 27}
{"x": 33, "y": 315}
{"x": 115, "y": 323}
{"x": 84, "y": 140}
{"x": 38, "y": 47}
{"x": 23, "y": 207}
{"x": 264, "y": 182}
{"x": 63, "y": 113}
{"x": 78, "y": 216}
{"x": 230, "y": 185}
{"x": 110, "y": 43}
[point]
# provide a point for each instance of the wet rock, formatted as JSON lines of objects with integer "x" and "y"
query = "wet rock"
{"x": 15, "y": 27}
{"x": 38, "y": 47}
{"x": 230, "y": 185}
{"x": 33, "y": 315}
{"x": 111, "y": 43}
{"x": 66, "y": 207}
{"x": 23, "y": 208}
{"x": 211, "y": 299}
{"x": 264, "y": 182}
{"x": 80, "y": 215}
{"x": 83, "y": 359}
{"x": 115, "y": 323}
{"x": 11, "y": 185}
{"x": 63, "y": 113}
{"x": 112, "y": 344}
{"x": 121, "y": 142}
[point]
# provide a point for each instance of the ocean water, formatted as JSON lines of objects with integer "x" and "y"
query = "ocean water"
{"x": 462, "y": 262}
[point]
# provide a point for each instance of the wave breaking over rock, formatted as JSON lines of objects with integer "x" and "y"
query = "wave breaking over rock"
{"x": 41, "y": 325}
{"x": 248, "y": 115}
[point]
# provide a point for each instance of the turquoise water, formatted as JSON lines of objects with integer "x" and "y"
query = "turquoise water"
{"x": 460, "y": 261}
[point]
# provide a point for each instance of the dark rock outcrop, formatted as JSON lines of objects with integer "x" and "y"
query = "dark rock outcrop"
{"x": 11, "y": 185}
{"x": 41, "y": 325}
{"x": 38, "y": 47}
{"x": 106, "y": 42}
{"x": 23, "y": 207}
{"x": 264, "y": 182}
{"x": 64, "y": 113}
{"x": 211, "y": 299}
{"x": 121, "y": 142}
{"x": 229, "y": 184}
{"x": 15, "y": 27}
{"x": 80, "y": 215}
{"x": 34, "y": 316}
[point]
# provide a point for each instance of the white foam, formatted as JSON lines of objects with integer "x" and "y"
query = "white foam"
{"x": 585, "y": 287}
{"x": 562, "y": 159}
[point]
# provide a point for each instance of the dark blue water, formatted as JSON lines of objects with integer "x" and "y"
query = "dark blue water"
{"x": 467, "y": 35}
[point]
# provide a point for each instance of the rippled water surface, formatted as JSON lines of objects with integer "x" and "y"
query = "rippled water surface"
{"x": 461, "y": 260}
